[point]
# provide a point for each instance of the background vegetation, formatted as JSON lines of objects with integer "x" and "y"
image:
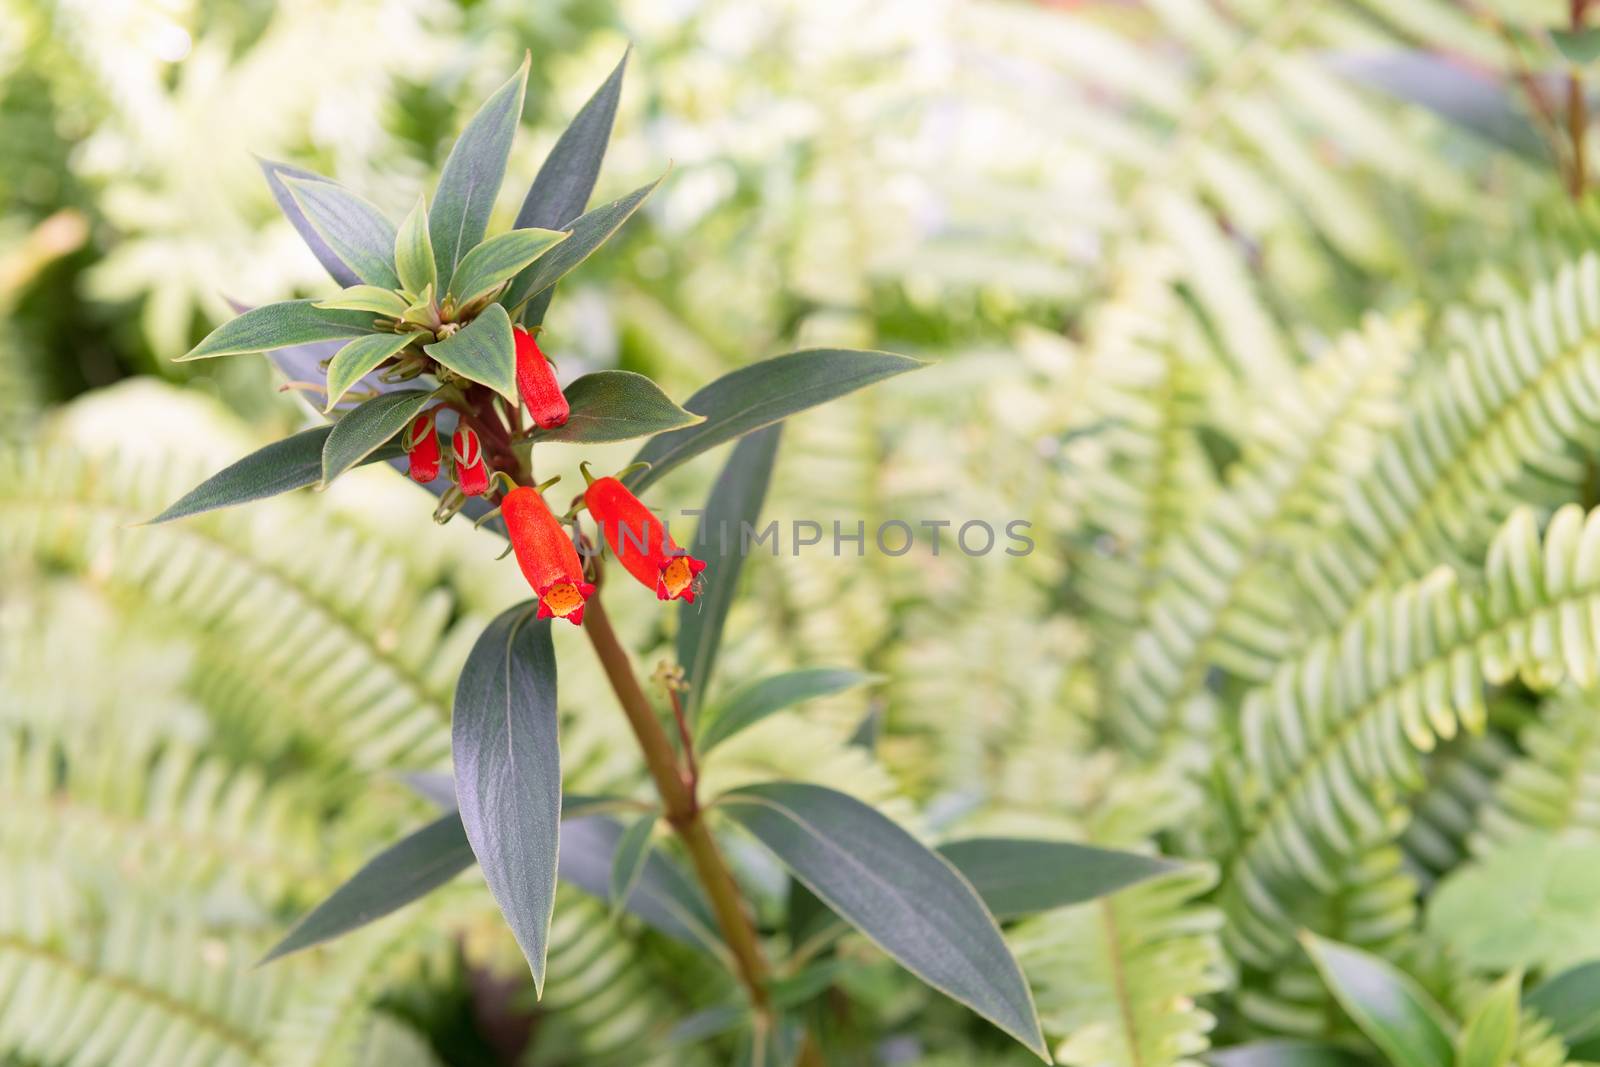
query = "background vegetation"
{"x": 1277, "y": 321}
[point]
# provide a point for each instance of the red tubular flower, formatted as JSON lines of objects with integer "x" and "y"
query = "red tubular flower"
{"x": 545, "y": 554}
{"x": 422, "y": 446}
{"x": 536, "y": 381}
{"x": 471, "y": 473}
{"x": 641, "y": 542}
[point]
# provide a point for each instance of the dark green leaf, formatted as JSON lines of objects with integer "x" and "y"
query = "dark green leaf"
{"x": 563, "y": 185}
{"x": 1571, "y": 1002}
{"x": 1019, "y": 876}
{"x": 358, "y": 359}
{"x": 483, "y": 351}
{"x": 628, "y": 864}
{"x": 663, "y": 897}
{"x": 292, "y": 463}
{"x": 735, "y": 502}
{"x": 497, "y": 259}
{"x": 771, "y": 695}
{"x": 589, "y": 232}
{"x": 408, "y": 870}
{"x": 616, "y": 405}
{"x": 355, "y": 229}
{"x": 369, "y": 427}
{"x": 413, "y": 251}
{"x": 761, "y": 394}
{"x": 472, "y": 175}
{"x": 1286, "y": 1054}
{"x": 508, "y": 772}
{"x": 292, "y": 322}
{"x": 275, "y": 173}
{"x": 1394, "y": 1013}
{"x": 903, "y": 896}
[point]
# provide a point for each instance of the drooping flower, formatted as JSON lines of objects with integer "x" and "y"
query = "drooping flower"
{"x": 536, "y": 381}
{"x": 471, "y": 473}
{"x": 545, "y": 553}
{"x": 641, "y": 542}
{"x": 422, "y": 446}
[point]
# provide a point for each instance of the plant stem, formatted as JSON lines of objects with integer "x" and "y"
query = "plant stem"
{"x": 682, "y": 808}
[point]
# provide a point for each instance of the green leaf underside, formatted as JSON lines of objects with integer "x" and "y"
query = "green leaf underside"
{"x": 589, "y": 231}
{"x": 761, "y": 394}
{"x": 498, "y": 258}
{"x": 411, "y": 868}
{"x": 413, "y": 251}
{"x": 472, "y": 175}
{"x": 755, "y": 702}
{"x": 1286, "y": 1054}
{"x": 358, "y": 359}
{"x": 616, "y": 405}
{"x": 292, "y": 463}
{"x": 628, "y": 864}
{"x": 275, "y": 173}
{"x": 290, "y": 322}
{"x": 353, "y": 227}
{"x": 1389, "y": 1008}
{"x": 735, "y": 502}
{"x": 508, "y": 772}
{"x": 373, "y": 298}
{"x": 483, "y": 351}
{"x": 905, "y": 898}
{"x": 562, "y": 188}
{"x": 1022, "y": 876}
{"x": 368, "y": 428}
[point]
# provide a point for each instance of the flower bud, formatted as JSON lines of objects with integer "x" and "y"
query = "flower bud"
{"x": 471, "y": 474}
{"x": 422, "y": 446}
{"x": 640, "y": 541}
{"x": 545, "y": 553}
{"x": 536, "y": 381}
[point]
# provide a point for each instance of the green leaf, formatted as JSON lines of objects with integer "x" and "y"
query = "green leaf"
{"x": 408, "y": 870}
{"x": 761, "y": 394}
{"x": 1580, "y": 47}
{"x": 589, "y": 232}
{"x": 497, "y": 259}
{"x": 1394, "y": 1013}
{"x": 628, "y": 864}
{"x": 1286, "y": 1054}
{"x": 472, "y": 174}
{"x": 413, "y": 251}
{"x": 353, "y": 227}
{"x": 369, "y": 427}
{"x": 1021, "y": 876}
{"x": 616, "y": 405}
{"x": 771, "y": 695}
{"x": 483, "y": 351}
{"x": 292, "y": 322}
{"x": 358, "y": 359}
{"x": 562, "y": 188}
{"x": 1490, "y": 1035}
{"x": 663, "y": 896}
{"x": 292, "y": 463}
{"x": 275, "y": 173}
{"x": 903, "y": 896}
{"x": 1571, "y": 1003}
{"x": 735, "y": 502}
{"x": 373, "y": 298}
{"x": 508, "y": 772}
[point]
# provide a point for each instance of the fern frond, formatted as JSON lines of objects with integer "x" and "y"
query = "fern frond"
{"x": 1554, "y": 785}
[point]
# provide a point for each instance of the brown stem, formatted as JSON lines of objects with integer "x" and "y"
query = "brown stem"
{"x": 682, "y": 808}
{"x": 685, "y": 739}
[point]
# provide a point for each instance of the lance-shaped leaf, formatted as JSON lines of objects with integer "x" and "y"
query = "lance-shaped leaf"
{"x": 483, "y": 351}
{"x": 904, "y": 897}
{"x": 291, "y": 322}
{"x": 497, "y": 259}
{"x": 368, "y": 428}
{"x": 373, "y": 298}
{"x": 761, "y": 394}
{"x": 413, "y": 251}
{"x": 616, "y": 405}
{"x": 562, "y": 188}
{"x": 358, "y": 359}
{"x": 735, "y": 502}
{"x": 662, "y": 896}
{"x": 589, "y": 232}
{"x": 508, "y": 772}
{"x": 412, "y": 868}
{"x": 1571, "y": 1003}
{"x": 472, "y": 175}
{"x": 1394, "y": 1013}
{"x": 769, "y": 696}
{"x": 1285, "y": 1054}
{"x": 1021, "y": 876}
{"x": 275, "y": 173}
{"x": 633, "y": 849}
{"x": 353, "y": 227}
{"x": 1489, "y": 1036}
{"x": 292, "y": 463}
